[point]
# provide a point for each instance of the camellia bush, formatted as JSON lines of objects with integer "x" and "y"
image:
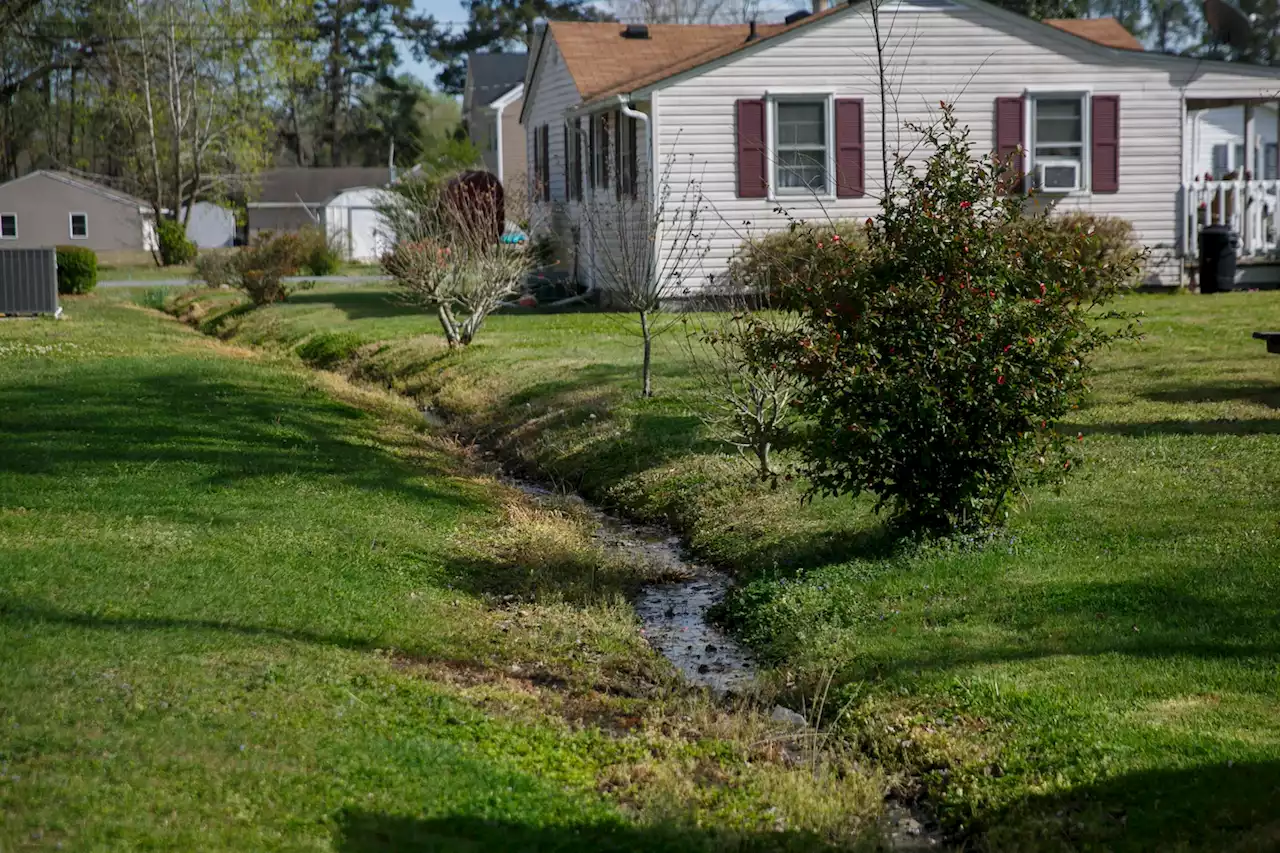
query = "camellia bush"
{"x": 934, "y": 360}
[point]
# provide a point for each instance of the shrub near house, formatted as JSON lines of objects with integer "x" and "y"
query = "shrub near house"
{"x": 935, "y": 361}
{"x": 77, "y": 269}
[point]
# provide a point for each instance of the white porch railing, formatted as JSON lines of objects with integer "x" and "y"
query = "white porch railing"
{"x": 1249, "y": 208}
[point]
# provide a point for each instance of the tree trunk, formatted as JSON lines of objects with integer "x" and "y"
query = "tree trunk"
{"x": 334, "y": 81}
{"x": 647, "y": 370}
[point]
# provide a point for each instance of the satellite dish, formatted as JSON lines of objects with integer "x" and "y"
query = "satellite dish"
{"x": 1228, "y": 24}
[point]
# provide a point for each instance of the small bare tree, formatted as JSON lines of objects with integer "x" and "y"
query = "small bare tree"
{"x": 448, "y": 255}
{"x": 749, "y": 396}
{"x": 644, "y": 250}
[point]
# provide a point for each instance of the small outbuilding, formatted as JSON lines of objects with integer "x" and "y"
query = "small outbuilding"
{"x": 343, "y": 201}
{"x": 211, "y": 226}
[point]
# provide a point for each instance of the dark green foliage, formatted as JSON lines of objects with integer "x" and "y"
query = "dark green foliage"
{"x": 175, "y": 248}
{"x": 498, "y": 25}
{"x": 935, "y": 362}
{"x": 260, "y": 269}
{"x": 326, "y": 349}
{"x": 319, "y": 255}
{"x": 763, "y": 264}
{"x": 77, "y": 269}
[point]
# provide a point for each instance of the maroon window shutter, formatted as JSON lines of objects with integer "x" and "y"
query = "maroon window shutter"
{"x": 1105, "y": 153}
{"x": 850, "y": 149}
{"x": 546, "y": 162}
{"x": 534, "y": 177}
{"x": 577, "y": 158}
{"x": 1009, "y": 124}
{"x": 617, "y": 154}
{"x": 634, "y": 166}
{"x": 752, "y": 182}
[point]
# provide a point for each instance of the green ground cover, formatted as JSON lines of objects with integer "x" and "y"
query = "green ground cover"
{"x": 1104, "y": 674}
{"x": 245, "y": 606}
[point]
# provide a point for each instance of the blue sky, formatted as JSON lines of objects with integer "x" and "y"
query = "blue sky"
{"x": 443, "y": 10}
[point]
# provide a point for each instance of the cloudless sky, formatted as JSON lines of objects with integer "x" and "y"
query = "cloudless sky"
{"x": 443, "y": 10}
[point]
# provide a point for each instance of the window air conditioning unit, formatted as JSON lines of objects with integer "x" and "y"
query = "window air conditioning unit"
{"x": 1058, "y": 176}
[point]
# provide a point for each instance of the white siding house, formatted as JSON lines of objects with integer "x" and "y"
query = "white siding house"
{"x": 1111, "y": 123}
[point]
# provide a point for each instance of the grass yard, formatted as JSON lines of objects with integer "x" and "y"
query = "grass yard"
{"x": 245, "y": 606}
{"x": 1103, "y": 675}
{"x": 142, "y": 270}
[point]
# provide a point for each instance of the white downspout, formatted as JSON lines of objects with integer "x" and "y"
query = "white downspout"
{"x": 628, "y": 111}
{"x": 498, "y": 113}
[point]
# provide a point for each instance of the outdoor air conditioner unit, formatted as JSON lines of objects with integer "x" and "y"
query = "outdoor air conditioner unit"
{"x": 1058, "y": 176}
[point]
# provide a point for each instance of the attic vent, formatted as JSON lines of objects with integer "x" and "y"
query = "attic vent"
{"x": 636, "y": 31}
{"x": 796, "y": 16}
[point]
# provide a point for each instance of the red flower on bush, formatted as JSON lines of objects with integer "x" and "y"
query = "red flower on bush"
{"x": 965, "y": 205}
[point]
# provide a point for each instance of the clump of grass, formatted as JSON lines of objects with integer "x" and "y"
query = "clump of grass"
{"x": 329, "y": 349}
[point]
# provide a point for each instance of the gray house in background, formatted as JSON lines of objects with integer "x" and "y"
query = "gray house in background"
{"x": 491, "y": 102}
{"x": 292, "y": 199}
{"x": 53, "y": 209}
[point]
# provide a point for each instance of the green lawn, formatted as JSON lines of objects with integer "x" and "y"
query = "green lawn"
{"x": 247, "y": 607}
{"x": 144, "y": 271}
{"x": 1105, "y": 674}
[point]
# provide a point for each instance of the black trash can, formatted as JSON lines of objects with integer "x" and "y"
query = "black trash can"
{"x": 1217, "y": 258}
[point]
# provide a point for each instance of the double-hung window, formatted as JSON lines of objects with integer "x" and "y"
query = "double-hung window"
{"x": 79, "y": 226}
{"x": 801, "y": 146}
{"x": 8, "y": 226}
{"x": 1058, "y": 133}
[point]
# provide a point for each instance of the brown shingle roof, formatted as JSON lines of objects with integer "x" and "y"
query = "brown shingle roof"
{"x": 602, "y": 63}
{"x": 1107, "y": 32}
{"x": 317, "y": 185}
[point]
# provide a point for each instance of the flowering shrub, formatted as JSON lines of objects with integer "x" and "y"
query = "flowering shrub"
{"x": 934, "y": 362}
{"x": 766, "y": 263}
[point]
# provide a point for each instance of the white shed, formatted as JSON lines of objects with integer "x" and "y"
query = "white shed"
{"x": 352, "y": 221}
{"x": 211, "y": 226}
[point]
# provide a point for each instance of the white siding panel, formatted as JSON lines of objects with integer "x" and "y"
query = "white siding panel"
{"x": 553, "y": 93}
{"x": 966, "y": 56}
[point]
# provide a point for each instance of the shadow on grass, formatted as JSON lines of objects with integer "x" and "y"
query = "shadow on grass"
{"x": 367, "y": 304}
{"x": 1220, "y": 426}
{"x": 1211, "y": 807}
{"x": 1139, "y": 618}
{"x": 17, "y": 611}
{"x": 366, "y": 832}
{"x": 210, "y": 423}
{"x": 1264, "y": 393}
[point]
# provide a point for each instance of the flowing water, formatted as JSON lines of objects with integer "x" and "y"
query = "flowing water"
{"x": 674, "y": 613}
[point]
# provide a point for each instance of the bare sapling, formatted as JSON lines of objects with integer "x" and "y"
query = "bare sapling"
{"x": 646, "y": 250}
{"x": 749, "y": 398}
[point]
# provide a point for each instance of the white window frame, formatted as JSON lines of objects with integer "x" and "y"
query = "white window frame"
{"x": 14, "y": 217}
{"x": 772, "y": 99}
{"x": 1086, "y": 138}
{"x": 71, "y": 228}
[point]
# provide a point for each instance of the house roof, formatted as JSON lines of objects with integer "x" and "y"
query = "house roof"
{"x": 316, "y": 185}
{"x": 603, "y": 64}
{"x": 1107, "y": 32}
{"x": 84, "y": 184}
{"x": 492, "y": 75}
